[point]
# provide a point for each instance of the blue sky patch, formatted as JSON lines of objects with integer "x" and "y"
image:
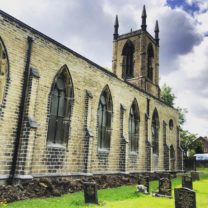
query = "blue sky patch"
{"x": 190, "y": 8}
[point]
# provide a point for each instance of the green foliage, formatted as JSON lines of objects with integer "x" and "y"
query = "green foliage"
{"x": 167, "y": 95}
{"x": 124, "y": 196}
{"x": 168, "y": 98}
{"x": 189, "y": 143}
{"x": 182, "y": 115}
{"x": 187, "y": 138}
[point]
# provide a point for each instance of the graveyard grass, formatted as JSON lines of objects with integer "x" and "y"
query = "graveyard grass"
{"x": 124, "y": 196}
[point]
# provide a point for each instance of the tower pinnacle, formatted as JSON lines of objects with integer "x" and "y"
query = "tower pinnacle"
{"x": 157, "y": 33}
{"x": 144, "y": 17}
{"x": 116, "y": 26}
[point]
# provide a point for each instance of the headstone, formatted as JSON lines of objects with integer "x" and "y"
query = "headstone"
{"x": 187, "y": 182}
{"x": 164, "y": 187}
{"x": 195, "y": 176}
{"x": 189, "y": 163}
{"x": 173, "y": 174}
{"x": 165, "y": 175}
{"x": 90, "y": 192}
{"x": 185, "y": 198}
{"x": 144, "y": 180}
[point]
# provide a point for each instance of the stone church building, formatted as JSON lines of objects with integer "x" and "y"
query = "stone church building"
{"x": 63, "y": 115}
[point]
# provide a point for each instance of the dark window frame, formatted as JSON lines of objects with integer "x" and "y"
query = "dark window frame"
{"x": 155, "y": 132}
{"x": 61, "y": 104}
{"x": 128, "y": 60}
{"x": 105, "y": 111}
{"x": 171, "y": 124}
{"x": 172, "y": 152}
{"x": 5, "y": 62}
{"x": 133, "y": 128}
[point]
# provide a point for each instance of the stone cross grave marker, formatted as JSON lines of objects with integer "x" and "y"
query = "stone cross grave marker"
{"x": 185, "y": 198}
{"x": 144, "y": 180}
{"x": 187, "y": 182}
{"x": 195, "y": 176}
{"x": 90, "y": 192}
{"x": 164, "y": 187}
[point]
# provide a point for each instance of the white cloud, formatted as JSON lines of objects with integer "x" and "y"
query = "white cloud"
{"x": 87, "y": 27}
{"x": 190, "y": 85}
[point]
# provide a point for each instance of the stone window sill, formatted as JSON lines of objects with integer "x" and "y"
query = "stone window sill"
{"x": 103, "y": 152}
{"x": 133, "y": 153}
{"x": 56, "y": 146}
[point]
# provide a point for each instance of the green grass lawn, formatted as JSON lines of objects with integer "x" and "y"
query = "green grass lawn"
{"x": 122, "y": 197}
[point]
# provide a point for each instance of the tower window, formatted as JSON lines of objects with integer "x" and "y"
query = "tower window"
{"x": 128, "y": 60}
{"x": 155, "y": 132}
{"x": 60, "y": 108}
{"x": 134, "y": 127}
{"x": 150, "y": 62}
{"x": 104, "y": 119}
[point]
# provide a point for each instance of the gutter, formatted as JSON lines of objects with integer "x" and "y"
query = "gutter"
{"x": 22, "y": 109}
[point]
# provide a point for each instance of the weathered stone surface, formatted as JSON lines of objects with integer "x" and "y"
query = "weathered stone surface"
{"x": 195, "y": 176}
{"x": 185, "y": 198}
{"x": 144, "y": 180}
{"x": 187, "y": 182}
{"x": 165, "y": 187}
{"x": 79, "y": 154}
{"x": 90, "y": 192}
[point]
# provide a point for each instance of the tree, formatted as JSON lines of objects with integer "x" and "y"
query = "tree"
{"x": 189, "y": 142}
{"x": 167, "y": 95}
{"x": 182, "y": 115}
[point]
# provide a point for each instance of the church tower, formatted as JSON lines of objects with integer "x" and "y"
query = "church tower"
{"x": 136, "y": 56}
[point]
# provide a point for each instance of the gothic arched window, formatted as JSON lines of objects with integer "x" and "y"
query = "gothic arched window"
{"x": 3, "y": 69}
{"x": 172, "y": 158}
{"x": 150, "y": 62}
{"x": 60, "y": 108}
{"x": 134, "y": 127}
{"x": 104, "y": 119}
{"x": 128, "y": 60}
{"x": 155, "y": 132}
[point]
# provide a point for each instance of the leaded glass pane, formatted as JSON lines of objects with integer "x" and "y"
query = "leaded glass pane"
{"x": 52, "y": 128}
{"x": 60, "y": 84}
{"x": 61, "y": 106}
{"x": 54, "y": 102}
{"x": 59, "y": 130}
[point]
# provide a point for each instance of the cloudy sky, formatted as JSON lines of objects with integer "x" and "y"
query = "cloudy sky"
{"x": 86, "y": 26}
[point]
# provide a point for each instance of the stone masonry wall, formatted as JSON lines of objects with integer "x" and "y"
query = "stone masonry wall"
{"x": 42, "y": 159}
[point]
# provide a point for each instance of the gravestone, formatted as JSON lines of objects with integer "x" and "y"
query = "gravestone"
{"x": 185, "y": 198}
{"x": 187, "y": 182}
{"x": 144, "y": 180}
{"x": 173, "y": 174}
{"x": 90, "y": 192}
{"x": 189, "y": 163}
{"x": 195, "y": 176}
{"x": 164, "y": 187}
{"x": 165, "y": 175}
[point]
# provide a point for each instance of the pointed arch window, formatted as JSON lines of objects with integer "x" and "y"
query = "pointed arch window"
{"x": 104, "y": 119}
{"x": 155, "y": 132}
{"x": 150, "y": 62}
{"x": 128, "y": 60}
{"x": 134, "y": 127}
{"x": 60, "y": 108}
{"x": 172, "y": 152}
{"x": 3, "y": 69}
